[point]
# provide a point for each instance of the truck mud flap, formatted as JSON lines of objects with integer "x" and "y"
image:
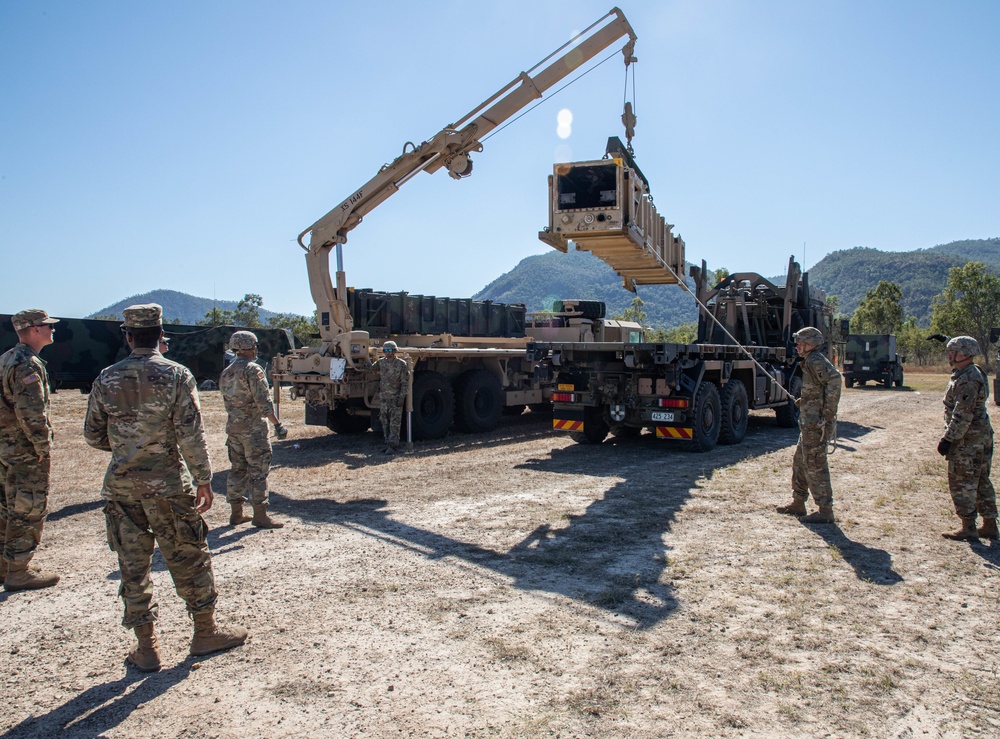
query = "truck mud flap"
{"x": 672, "y": 432}
{"x": 567, "y": 420}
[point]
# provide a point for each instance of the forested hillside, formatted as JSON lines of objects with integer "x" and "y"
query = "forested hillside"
{"x": 539, "y": 280}
{"x": 178, "y": 307}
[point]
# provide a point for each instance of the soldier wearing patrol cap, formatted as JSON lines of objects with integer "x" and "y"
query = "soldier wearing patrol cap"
{"x": 968, "y": 442}
{"x": 248, "y": 401}
{"x": 25, "y": 443}
{"x": 817, "y": 426}
{"x": 394, "y": 381}
{"x": 145, "y": 411}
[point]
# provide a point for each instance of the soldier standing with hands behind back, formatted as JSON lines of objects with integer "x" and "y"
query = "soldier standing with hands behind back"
{"x": 25, "y": 442}
{"x": 145, "y": 411}
{"x": 968, "y": 442}
{"x": 248, "y": 401}
{"x": 817, "y": 425}
{"x": 394, "y": 382}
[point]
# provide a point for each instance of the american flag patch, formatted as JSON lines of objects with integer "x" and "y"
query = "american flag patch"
{"x": 31, "y": 379}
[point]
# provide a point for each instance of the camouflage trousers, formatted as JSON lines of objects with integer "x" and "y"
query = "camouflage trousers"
{"x": 969, "y": 468}
{"x": 25, "y": 503}
{"x": 180, "y": 531}
{"x": 391, "y": 416}
{"x": 810, "y": 471}
{"x": 250, "y": 463}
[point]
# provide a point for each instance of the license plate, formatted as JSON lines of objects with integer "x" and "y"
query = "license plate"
{"x": 663, "y": 416}
{"x": 866, "y": 368}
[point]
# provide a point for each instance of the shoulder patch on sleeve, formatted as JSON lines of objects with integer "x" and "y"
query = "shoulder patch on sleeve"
{"x": 32, "y": 378}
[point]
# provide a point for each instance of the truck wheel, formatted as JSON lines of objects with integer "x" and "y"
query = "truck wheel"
{"x": 735, "y": 412}
{"x": 479, "y": 401}
{"x": 707, "y": 417}
{"x": 887, "y": 382}
{"x": 340, "y": 421}
{"x": 595, "y": 428}
{"x": 433, "y": 406}
{"x": 848, "y": 382}
{"x": 786, "y": 414}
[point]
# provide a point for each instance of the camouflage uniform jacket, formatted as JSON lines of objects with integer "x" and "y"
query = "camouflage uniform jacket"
{"x": 395, "y": 379}
{"x": 820, "y": 391}
{"x": 965, "y": 406}
{"x": 25, "y": 430}
{"x": 246, "y": 395}
{"x": 145, "y": 411}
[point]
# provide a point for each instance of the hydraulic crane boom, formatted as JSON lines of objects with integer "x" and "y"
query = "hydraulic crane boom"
{"x": 449, "y": 149}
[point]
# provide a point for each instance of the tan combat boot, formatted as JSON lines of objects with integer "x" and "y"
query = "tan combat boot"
{"x": 796, "y": 508}
{"x": 989, "y": 529}
{"x": 209, "y": 638}
{"x": 823, "y": 515}
{"x": 261, "y": 520}
{"x": 237, "y": 516}
{"x": 966, "y": 533}
{"x": 145, "y": 656}
{"x": 19, "y": 577}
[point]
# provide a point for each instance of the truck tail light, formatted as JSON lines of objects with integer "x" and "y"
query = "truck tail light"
{"x": 563, "y": 398}
{"x": 674, "y": 403}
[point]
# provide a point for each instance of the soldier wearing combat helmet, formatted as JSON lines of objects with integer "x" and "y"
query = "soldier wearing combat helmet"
{"x": 248, "y": 401}
{"x": 25, "y": 442}
{"x": 394, "y": 384}
{"x": 817, "y": 426}
{"x": 968, "y": 442}
{"x": 145, "y": 411}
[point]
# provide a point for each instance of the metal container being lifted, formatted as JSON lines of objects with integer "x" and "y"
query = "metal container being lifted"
{"x": 604, "y": 207}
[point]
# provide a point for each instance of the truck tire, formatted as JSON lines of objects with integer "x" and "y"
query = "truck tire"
{"x": 735, "y": 412}
{"x": 340, "y": 421}
{"x": 848, "y": 381}
{"x": 786, "y": 414}
{"x": 887, "y": 382}
{"x": 595, "y": 428}
{"x": 707, "y": 417}
{"x": 478, "y": 401}
{"x": 433, "y": 406}
{"x": 899, "y": 379}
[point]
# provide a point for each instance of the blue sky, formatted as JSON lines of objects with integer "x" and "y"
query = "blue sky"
{"x": 184, "y": 145}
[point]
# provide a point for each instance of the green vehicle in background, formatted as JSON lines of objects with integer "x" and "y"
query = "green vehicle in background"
{"x": 872, "y": 357}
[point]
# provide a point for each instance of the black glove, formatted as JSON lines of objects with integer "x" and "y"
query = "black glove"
{"x": 944, "y": 446}
{"x": 280, "y": 431}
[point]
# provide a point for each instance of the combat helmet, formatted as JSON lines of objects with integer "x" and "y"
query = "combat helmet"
{"x": 809, "y": 335}
{"x": 242, "y": 340}
{"x": 963, "y": 345}
{"x": 389, "y": 347}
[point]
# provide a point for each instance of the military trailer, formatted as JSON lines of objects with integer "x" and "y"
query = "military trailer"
{"x": 85, "y": 346}
{"x": 700, "y": 393}
{"x": 872, "y": 357}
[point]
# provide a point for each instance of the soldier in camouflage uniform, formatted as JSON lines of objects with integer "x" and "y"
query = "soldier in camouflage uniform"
{"x": 968, "y": 442}
{"x": 817, "y": 426}
{"x": 25, "y": 442}
{"x": 145, "y": 411}
{"x": 394, "y": 384}
{"x": 248, "y": 401}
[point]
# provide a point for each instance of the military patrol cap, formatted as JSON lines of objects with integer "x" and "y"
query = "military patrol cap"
{"x": 963, "y": 345}
{"x": 389, "y": 347}
{"x": 242, "y": 340}
{"x": 809, "y": 335}
{"x": 149, "y": 315}
{"x": 31, "y": 317}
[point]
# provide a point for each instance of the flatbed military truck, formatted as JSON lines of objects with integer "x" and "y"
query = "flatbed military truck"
{"x": 469, "y": 379}
{"x": 872, "y": 357}
{"x": 699, "y": 393}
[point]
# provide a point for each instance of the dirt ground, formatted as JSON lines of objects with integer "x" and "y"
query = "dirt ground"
{"x": 516, "y": 584}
